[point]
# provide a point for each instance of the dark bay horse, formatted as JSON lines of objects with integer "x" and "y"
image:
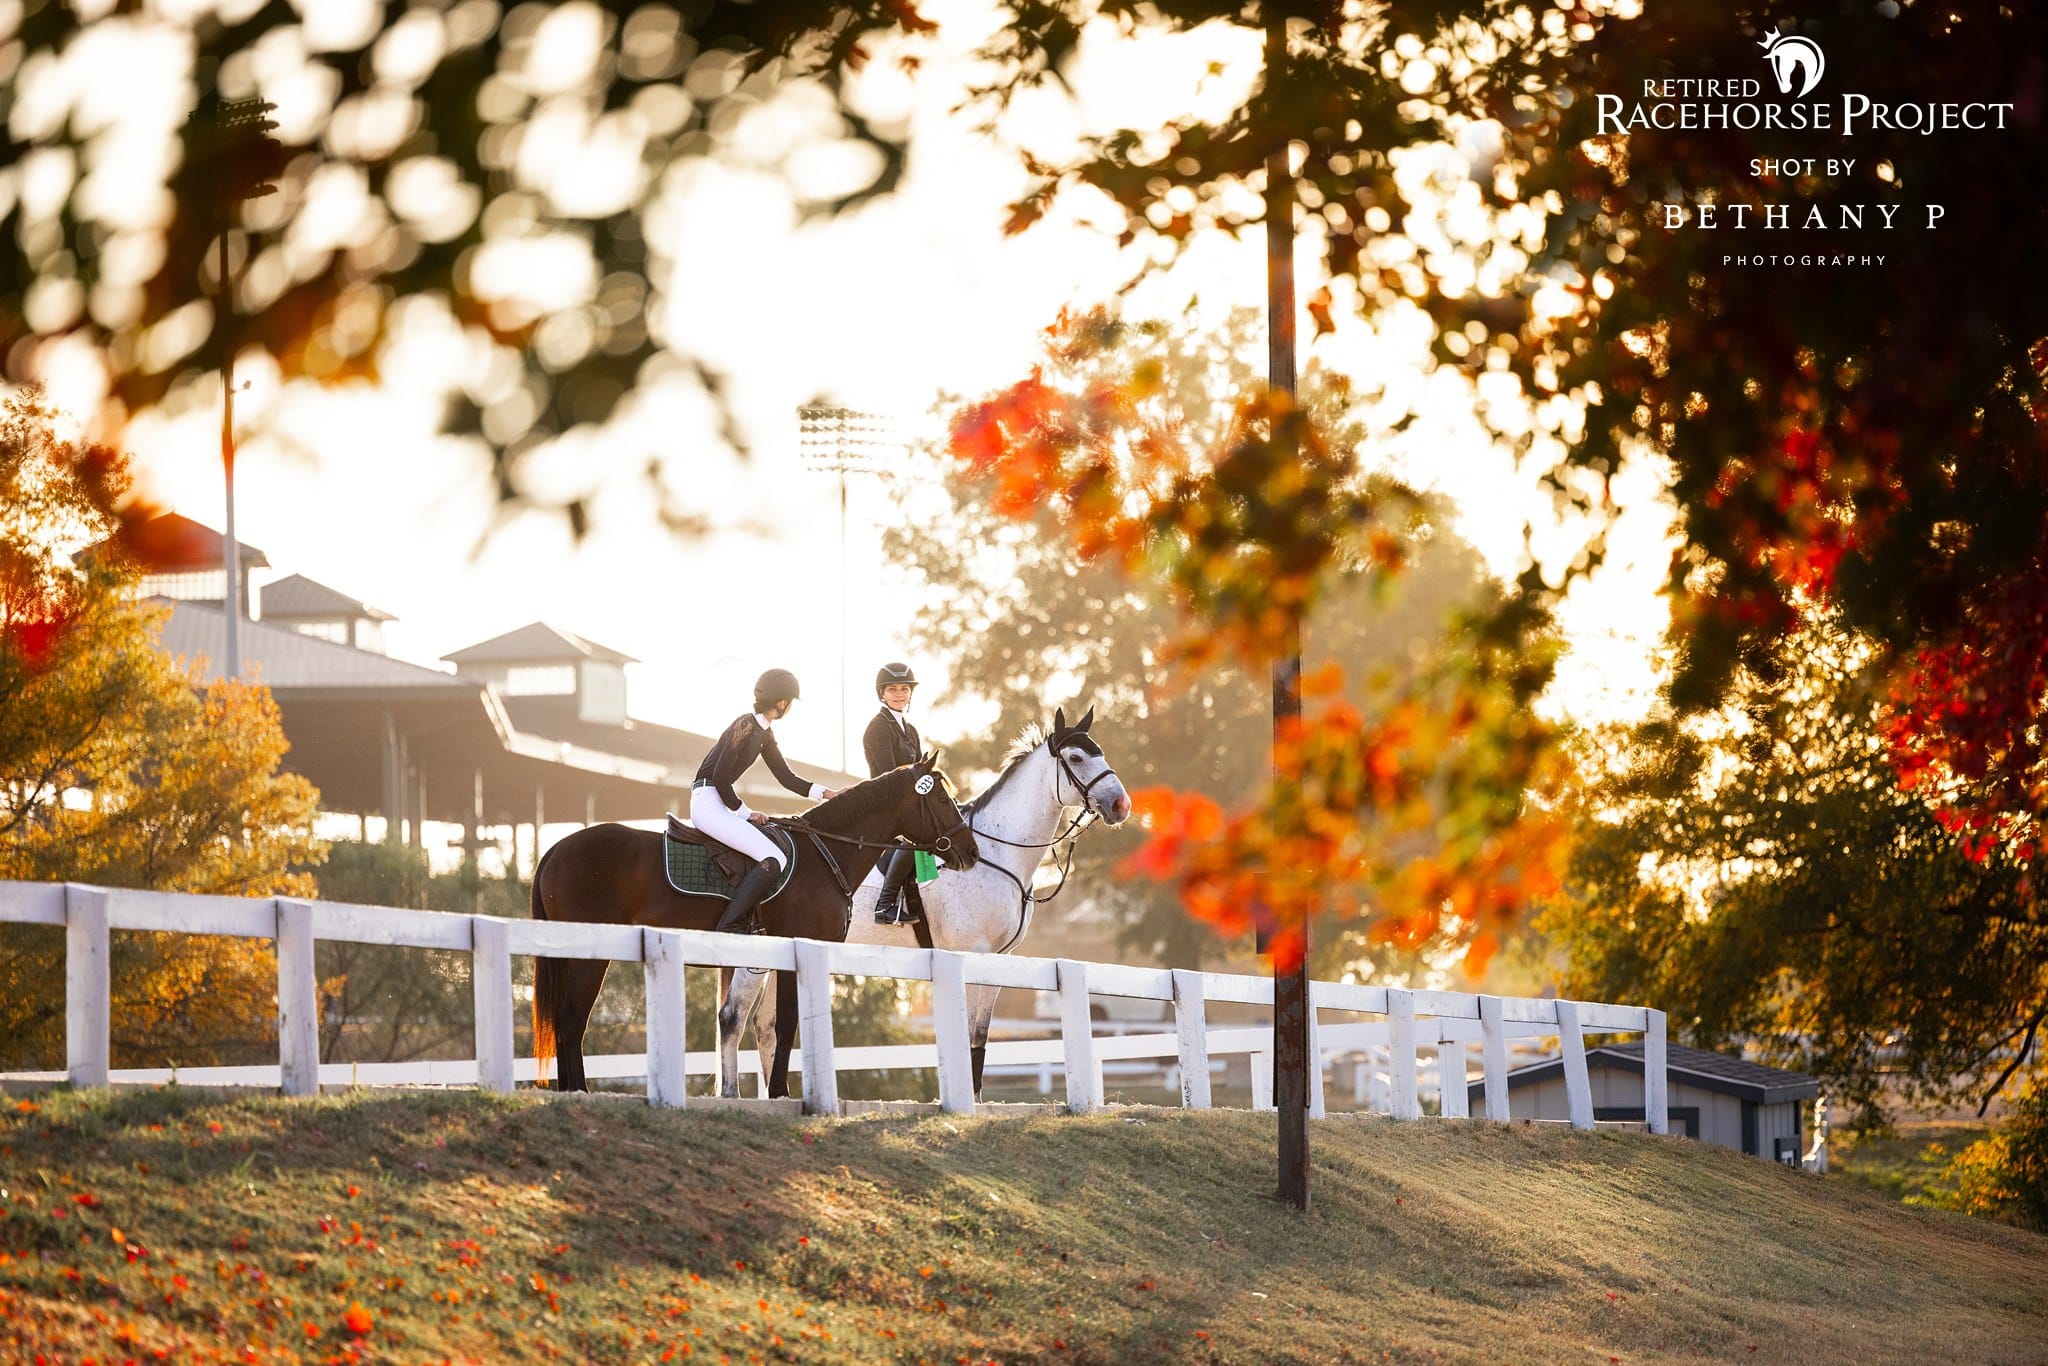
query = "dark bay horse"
{"x": 613, "y": 874}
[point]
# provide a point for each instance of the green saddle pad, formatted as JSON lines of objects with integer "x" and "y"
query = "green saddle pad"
{"x": 693, "y": 872}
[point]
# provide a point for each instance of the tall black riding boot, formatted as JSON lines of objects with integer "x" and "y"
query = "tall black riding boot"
{"x": 739, "y": 912}
{"x": 891, "y": 907}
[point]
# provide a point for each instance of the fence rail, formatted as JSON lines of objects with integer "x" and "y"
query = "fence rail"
{"x": 1447, "y": 1022}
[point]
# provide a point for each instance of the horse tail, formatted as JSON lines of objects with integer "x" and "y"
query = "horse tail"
{"x": 547, "y": 987}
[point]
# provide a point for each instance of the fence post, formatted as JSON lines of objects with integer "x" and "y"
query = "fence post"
{"x": 1077, "y": 1037}
{"x": 1191, "y": 1026}
{"x": 814, "y": 1017}
{"x": 1315, "y": 1059}
{"x": 1403, "y": 1103}
{"x": 1453, "y": 1100}
{"x": 949, "y": 1024}
{"x": 1262, "y": 1079}
{"x": 298, "y": 1000}
{"x": 1656, "y": 1088}
{"x": 490, "y": 979}
{"x": 1493, "y": 1058}
{"x": 666, "y": 1055}
{"x": 88, "y": 989}
{"x": 1578, "y": 1088}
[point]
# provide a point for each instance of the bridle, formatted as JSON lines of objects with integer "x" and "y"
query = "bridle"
{"x": 1085, "y": 792}
{"x": 1069, "y": 834}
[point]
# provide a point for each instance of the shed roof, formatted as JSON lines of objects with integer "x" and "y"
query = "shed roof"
{"x": 171, "y": 542}
{"x": 283, "y": 658}
{"x": 1708, "y": 1070}
{"x": 299, "y": 597}
{"x": 535, "y": 643}
{"x": 342, "y": 707}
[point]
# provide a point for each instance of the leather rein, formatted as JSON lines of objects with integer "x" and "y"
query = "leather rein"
{"x": 941, "y": 844}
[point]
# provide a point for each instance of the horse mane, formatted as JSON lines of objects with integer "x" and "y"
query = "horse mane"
{"x": 1028, "y": 739}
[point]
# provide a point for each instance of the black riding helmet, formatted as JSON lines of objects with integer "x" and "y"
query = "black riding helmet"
{"x": 777, "y": 685}
{"x": 893, "y": 673}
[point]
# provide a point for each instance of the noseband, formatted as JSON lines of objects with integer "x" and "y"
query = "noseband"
{"x": 1087, "y": 789}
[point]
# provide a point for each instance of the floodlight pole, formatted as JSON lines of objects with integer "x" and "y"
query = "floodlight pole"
{"x": 843, "y": 609}
{"x": 1291, "y": 1061}
{"x": 840, "y": 441}
{"x": 242, "y": 156}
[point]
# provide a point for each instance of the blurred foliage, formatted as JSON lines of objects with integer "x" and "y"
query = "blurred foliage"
{"x": 507, "y": 174}
{"x": 2005, "y": 1176}
{"x": 1013, "y": 608}
{"x": 119, "y": 767}
{"x": 1420, "y": 819}
{"x": 1762, "y": 875}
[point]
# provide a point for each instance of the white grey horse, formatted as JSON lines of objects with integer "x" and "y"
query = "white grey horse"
{"x": 1050, "y": 786}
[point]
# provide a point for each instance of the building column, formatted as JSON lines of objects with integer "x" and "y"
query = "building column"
{"x": 419, "y": 824}
{"x": 394, "y": 781}
{"x": 473, "y": 844}
{"x": 407, "y": 816}
{"x": 540, "y": 818}
{"x": 589, "y": 809}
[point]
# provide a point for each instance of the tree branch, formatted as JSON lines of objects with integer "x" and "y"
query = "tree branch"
{"x": 2026, "y": 1046}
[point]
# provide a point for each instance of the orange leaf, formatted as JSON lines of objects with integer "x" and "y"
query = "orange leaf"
{"x": 1322, "y": 682}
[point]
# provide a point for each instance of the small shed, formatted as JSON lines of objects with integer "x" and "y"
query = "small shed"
{"x": 539, "y": 660}
{"x": 1742, "y": 1105}
{"x": 314, "y": 609}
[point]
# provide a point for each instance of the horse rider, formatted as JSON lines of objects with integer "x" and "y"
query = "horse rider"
{"x": 891, "y": 741}
{"x": 715, "y": 805}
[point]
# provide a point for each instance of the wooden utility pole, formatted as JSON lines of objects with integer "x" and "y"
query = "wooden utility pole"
{"x": 1290, "y": 984}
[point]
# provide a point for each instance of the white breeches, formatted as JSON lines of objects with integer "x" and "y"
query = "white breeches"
{"x": 709, "y": 813}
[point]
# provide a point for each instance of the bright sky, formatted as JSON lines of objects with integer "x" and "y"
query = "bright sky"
{"x": 883, "y": 309}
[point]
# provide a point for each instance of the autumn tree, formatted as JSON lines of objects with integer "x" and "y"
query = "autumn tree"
{"x": 120, "y": 767}
{"x": 1867, "y": 440}
{"x": 1760, "y": 872}
{"x": 1865, "y": 459}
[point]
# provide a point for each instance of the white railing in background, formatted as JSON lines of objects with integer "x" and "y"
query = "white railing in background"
{"x": 1445, "y": 1021}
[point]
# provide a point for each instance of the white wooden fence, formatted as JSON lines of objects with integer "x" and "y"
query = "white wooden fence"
{"x": 1445, "y": 1021}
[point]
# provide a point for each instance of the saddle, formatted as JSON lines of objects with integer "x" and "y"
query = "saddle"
{"x": 698, "y": 865}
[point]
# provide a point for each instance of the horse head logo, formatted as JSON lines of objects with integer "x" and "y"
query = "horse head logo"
{"x": 1794, "y": 55}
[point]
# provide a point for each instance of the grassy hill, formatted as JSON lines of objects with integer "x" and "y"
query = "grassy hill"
{"x": 423, "y": 1227}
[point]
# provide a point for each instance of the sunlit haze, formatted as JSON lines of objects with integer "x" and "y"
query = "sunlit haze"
{"x": 884, "y": 309}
